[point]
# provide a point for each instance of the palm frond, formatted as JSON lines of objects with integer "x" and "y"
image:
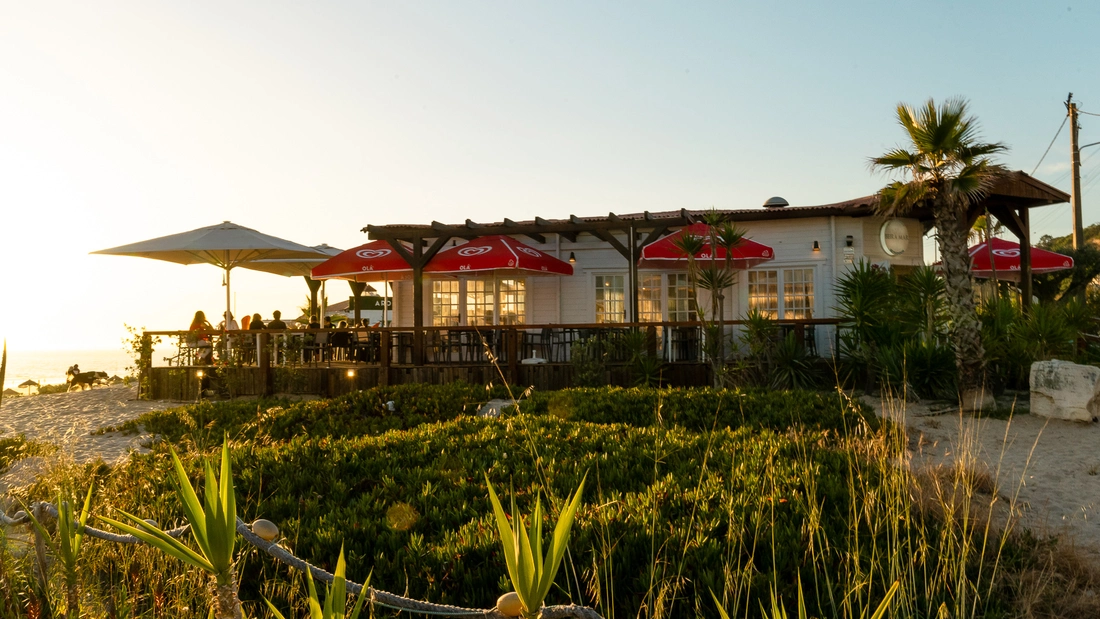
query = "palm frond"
{"x": 899, "y": 158}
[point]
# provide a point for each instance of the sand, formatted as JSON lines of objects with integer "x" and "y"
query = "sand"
{"x": 68, "y": 420}
{"x": 1052, "y": 467}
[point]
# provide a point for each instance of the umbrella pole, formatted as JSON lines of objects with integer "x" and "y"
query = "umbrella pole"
{"x": 385, "y": 297}
{"x": 225, "y": 317}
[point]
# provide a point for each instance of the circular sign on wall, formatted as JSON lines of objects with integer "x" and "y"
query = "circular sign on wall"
{"x": 893, "y": 236}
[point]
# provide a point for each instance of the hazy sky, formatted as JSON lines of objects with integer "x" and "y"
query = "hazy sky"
{"x": 129, "y": 120}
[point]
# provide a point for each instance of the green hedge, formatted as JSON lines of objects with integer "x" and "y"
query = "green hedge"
{"x": 704, "y": 408}
{"x": 365, "y": 413}
{"x": 648, "y": 497}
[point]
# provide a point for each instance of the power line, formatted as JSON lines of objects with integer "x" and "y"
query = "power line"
{"x": 1089, "y": 113}
{"x": 1059, "y": 132}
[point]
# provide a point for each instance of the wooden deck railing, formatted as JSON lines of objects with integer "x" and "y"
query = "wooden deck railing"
{"x": 392, "y": 355}
{"x": 542, "y": 343}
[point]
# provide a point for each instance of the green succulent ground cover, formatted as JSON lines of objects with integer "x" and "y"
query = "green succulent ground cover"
{"x": 689, "y": 491}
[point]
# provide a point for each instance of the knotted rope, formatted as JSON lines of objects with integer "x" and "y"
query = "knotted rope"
{"x": 284, "y": 556}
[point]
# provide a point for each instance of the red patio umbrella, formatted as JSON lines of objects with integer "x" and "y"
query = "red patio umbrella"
{"x": 663, "y": 254}
{"x": 372, "y": 262}
{"x": 1006, "y": 258}
{"x": 496, "y": 253}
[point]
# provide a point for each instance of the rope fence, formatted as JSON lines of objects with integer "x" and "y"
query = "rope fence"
{"x": 284, "y": 556}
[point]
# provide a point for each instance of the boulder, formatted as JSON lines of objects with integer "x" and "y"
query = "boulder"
{"x": 493, "y": 408}
{"x": 1065, "y": 390}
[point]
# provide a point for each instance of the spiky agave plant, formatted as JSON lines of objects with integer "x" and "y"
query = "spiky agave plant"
{"x": 213, "y": 526}
{"x": 335, "y": 596}
{"x": 530, "y": 571}
{"x": 70, "y": 535}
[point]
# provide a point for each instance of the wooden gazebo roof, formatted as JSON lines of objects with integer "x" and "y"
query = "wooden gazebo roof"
{"x": 1009, "y": 202}
{"x": 1014, "y": 192}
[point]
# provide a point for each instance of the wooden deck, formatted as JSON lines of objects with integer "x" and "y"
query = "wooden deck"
{"x": 182, "y": 383}
{"x": 323, "y": 362}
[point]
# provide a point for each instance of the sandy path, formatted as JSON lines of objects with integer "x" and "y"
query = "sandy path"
{"x": 68, "y": 419}
{"x": 1052, "y": 466}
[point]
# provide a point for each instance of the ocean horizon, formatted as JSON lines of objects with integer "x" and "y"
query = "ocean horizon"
{"x": 47, "y": 367}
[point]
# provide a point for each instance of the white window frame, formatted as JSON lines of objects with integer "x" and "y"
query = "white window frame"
{"x": 781, "y": 289}
{"x": 463, "y": 308}
{"x": 625, "y": 297}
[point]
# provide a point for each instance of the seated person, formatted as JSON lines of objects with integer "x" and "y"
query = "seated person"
{"x": 276, "y": 321}
{"x": 256, "y": 324}
{"x": 228, "y": 324}
{"x": 341, "y": 341}
{"x": 201, "y": 341}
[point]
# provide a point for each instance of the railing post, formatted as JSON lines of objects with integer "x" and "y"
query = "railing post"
{"x": 800, "y": 333}
{"x": 513, "y": 354}
{"x": 145, "y": 367}
{"x": 651, "y": 341}
{"x": 384, "y": 344}
{"x": 263, "y": 358}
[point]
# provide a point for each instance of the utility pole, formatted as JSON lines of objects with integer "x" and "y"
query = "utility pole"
{"x": 1075, "y": 158}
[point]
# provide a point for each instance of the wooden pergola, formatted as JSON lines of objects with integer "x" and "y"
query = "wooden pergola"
{"x": 1009, "y": 202}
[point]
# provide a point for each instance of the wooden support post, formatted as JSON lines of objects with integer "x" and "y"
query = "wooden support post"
{"x": 314, "y": 285}
{"x": 385, "y": 341}
{"x": 1025, "y": 260}
{"x": 651, "y": 340}
{"x": 800, "y": 333}
{"x": 418, "y": 301}
{"x": 263, "y": 359}
{"x": 357, "y": 289}
{"x": 512, "y": 346}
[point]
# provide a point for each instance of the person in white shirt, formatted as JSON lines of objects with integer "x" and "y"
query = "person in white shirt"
{"x": 229, "y": 324}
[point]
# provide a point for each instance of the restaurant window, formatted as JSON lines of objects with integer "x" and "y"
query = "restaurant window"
{"x": 764, "y": 292}
{"x": 480, "y": 302}
{"x": 610, "y": 299}
{"x": 513, "y": 301}
{"x": 649, "y": 297}
{"x": 445, "y": 306}
{"x": 798, "y": 293}
{"x": 681, "y": 305}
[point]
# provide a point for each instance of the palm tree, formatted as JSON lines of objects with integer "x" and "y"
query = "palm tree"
{"x": 947, "y": 168}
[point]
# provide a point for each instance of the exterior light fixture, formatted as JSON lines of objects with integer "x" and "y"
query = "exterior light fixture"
{"x": 351, "y": 373}
{"x": 572, "y": 258}
{"x": 199, "y": 374}
{"x": 849, "y": 240}
{"x": 817, "y": 246}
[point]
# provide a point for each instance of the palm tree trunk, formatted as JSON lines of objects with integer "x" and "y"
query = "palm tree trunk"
{"x": 226, "y": 603}
{"x": 966, "y": 336}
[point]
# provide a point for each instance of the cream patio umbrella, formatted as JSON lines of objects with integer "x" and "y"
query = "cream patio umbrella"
{"x": 290, "y": 267}
{"x": 225, "y": 245}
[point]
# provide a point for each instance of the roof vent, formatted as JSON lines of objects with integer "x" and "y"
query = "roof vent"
{"x": 776, "y": 202}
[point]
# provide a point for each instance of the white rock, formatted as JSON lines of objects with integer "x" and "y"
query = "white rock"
{"x": 493, "y": 408}
{"x": 1065, "y": 390}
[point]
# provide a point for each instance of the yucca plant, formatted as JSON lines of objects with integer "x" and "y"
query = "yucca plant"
{"x": 530, "y": 571}
{"x": 70, "y": 534}
{"x": 213, "y": 525}
{"x": 335, "y": 596}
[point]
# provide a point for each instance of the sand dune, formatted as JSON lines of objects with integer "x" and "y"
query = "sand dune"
{"x": 68, "y": 419}
{"x": 1052, "y": 467}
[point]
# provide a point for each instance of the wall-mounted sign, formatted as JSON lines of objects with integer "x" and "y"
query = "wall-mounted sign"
{"x": 893, "y": 236}
{"x": 370, "y": 303}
